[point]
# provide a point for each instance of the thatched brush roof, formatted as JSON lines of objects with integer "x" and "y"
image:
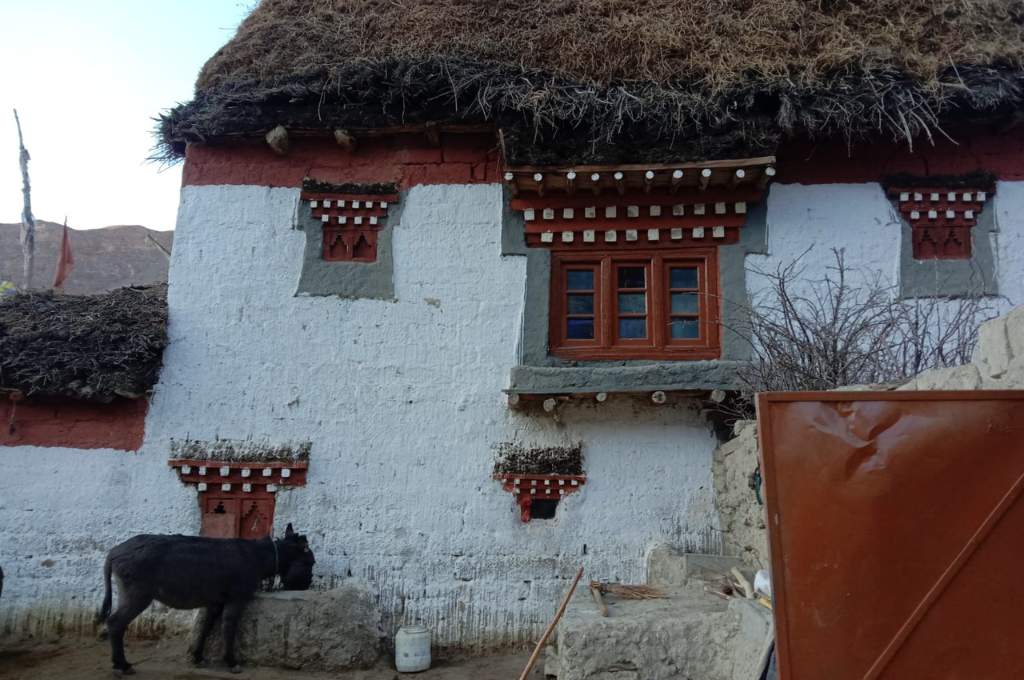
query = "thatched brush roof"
{"x": 721, "y": 74}
{"x": 89, "y": 347}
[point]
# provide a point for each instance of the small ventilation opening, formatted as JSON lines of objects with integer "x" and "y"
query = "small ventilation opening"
{"x": 543, "y": 508}
{"x": 219, "y": 510}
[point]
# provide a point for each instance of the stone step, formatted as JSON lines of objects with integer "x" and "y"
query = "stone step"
{"x": 688, "y": 634}
{"x": 667, "y": 567}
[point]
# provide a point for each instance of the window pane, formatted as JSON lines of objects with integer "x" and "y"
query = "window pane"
{"x": 581, "y": 329}
{"x": 685, "y": 303}
{"x": 581, "y": 279}
{"x": 685, "y": 329}
{"x": 581, "y": 304}
{"x": 632, "y": 328}
{"x": 631, "y": 277}
{"x": 632, "y": 303}
{"x": 684, "y": 277}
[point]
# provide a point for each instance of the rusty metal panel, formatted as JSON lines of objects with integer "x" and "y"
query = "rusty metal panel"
{"x": 897, "y": 533}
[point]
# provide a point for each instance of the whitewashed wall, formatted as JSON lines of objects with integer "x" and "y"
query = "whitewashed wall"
{"x": 402, "y": 401}
{"x": 861, "y": 220}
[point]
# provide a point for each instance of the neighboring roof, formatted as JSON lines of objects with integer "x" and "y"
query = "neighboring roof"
{"x": 89, "y": 347}
{"x": 612, "y": 80}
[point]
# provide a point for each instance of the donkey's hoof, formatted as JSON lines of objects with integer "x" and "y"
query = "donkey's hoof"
{"x": 235, "y": 669}
{"x": 121, "y": 672}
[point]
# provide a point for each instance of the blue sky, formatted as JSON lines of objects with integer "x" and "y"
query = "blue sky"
{"x": 87, "y": 77}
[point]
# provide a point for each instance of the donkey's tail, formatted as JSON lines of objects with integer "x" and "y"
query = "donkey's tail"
{"x": 107, "y": 595}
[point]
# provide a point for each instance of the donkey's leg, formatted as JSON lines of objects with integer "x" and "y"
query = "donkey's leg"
{"x": 212, "y": 612}
{"x": 130, "y": 603}
{"x": 232, "y": 613}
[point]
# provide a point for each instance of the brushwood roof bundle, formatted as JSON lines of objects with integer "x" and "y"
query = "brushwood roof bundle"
{"x": 87, "y": 347}
{"x": 613, "y": 80}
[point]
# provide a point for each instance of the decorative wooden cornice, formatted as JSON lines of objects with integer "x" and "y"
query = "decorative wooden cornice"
{"x": 528, "y": 488}
{"x": 350, "y": 223}
{"x": 940, "y": 218}
{"x": 637, "y": 205}
{"x": 247, "y": 476}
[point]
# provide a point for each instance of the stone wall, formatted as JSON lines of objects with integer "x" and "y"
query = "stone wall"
{"x": 742, "y": 516}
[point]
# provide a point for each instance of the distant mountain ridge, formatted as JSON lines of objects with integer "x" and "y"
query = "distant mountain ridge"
{"x": 105, "y": 258}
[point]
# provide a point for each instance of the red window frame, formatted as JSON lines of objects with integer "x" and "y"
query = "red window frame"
{"x": 658, "y": 343}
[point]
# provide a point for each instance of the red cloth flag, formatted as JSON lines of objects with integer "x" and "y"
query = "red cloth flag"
{"x": 66, "y": 260}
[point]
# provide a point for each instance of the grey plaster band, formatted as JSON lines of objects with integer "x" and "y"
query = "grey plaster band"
{"x": 538, "y": 372}
{"x": 513, "y": 227}
{"x": 625, "y": 377}
{"x": 951, "y": 278}
{"x": 373, "y": 280}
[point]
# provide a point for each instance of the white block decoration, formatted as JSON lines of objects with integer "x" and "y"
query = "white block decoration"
{"x": 631, "y": 235}
{"x": 698, "y": 208}
{"x": 718, "y": 232}
{"x": 652, "y": 234}
{"x": 590, "y": 212}
{"x": 313, "y": 204}
{"x": 655, "y": 211}
{"x": 547, "y": 237}
{"x": 246, "y": 472}
{"x": 327, "y": 203}
{"x": 676, "y": 233}
{"x": 741, "y": 207}
{"x": 549, "y": 213}
{"x": 272, "y": 488}
{"x": 678, "y": 209}
{"x": 589, "y": 236}
{"x": 185, "y": 469}
{"x": 225, "y": 487}
{"x": 719, "y": 208}
{"x": 567, "y": 236}
{"x": 202, "y": 469}
{"x": 225, "y": 471}
{"x": 286, "y": 473}
{"x": 529, "y": 215}
{"x": 267, "y": 472}
{"x": 698, "y": 232}
{"x": 610, "y": 236}
{"x": 609, "y": 211}
{"x": 325, "y": 218}
{"x": 201, "y": 486}
{"x": 632, "y": 211}
{"x": 568, "y": 213}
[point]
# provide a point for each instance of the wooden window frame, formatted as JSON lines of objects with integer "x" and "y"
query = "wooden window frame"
{"x": 658, "y": 344}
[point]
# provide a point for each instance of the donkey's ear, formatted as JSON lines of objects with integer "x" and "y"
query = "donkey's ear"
{"x": 288, "y": 531}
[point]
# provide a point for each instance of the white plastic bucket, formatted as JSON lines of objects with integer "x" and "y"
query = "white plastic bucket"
{"x": 412, "y": 649}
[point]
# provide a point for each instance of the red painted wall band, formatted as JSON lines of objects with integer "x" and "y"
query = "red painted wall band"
{"x": 74, "y": 425}
{"x": 473, "y": 159}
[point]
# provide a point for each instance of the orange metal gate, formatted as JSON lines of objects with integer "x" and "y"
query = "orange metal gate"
{"x": 897, "y": 533}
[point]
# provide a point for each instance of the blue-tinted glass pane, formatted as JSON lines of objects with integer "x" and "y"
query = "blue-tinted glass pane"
{"x": 581, "y": 279}
{"x": 684, "y": 277}
{"x": 581, "y": 304}
{"x": 581, "y": 329}
{"x": 685, "y": 329}
{"x": 631, "y": 277}
{"x": 632, "y": 328}
{"x": 632, "y": 303}
{"x": 684, "y": 303}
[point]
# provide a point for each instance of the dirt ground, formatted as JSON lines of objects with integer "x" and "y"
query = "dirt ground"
{"x": 165, "y": 660}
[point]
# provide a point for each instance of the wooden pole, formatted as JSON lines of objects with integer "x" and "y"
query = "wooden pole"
{"x": 551, "y": 627}
{"x": 28, "y": 222}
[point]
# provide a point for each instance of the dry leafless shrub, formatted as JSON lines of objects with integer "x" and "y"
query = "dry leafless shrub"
{"x": 851, "y": 328}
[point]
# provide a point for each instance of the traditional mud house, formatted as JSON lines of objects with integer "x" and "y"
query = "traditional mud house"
{"x": 414, "y": 239}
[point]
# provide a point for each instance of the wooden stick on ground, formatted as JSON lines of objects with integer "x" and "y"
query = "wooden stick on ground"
{"x": 551, "y": 627}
